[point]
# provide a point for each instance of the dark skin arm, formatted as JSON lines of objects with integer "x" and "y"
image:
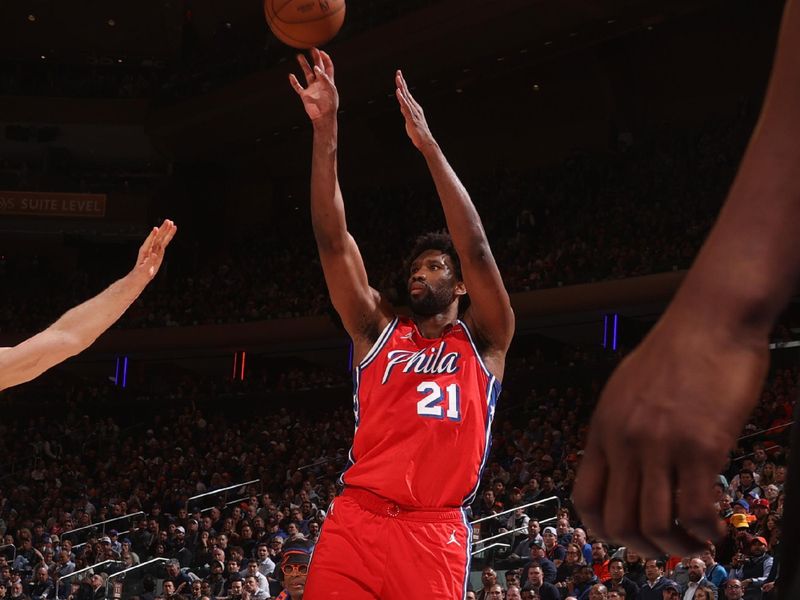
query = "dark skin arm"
{"x": 490, "y": 315}
{"x": 688, "y": 389}
{"x": 362, "y": 310}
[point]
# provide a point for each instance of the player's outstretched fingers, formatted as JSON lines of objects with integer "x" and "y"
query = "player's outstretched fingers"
{"x": 327, "y": 63}
{"x": 144, "y": 249}
{"x": 589, "y": 492}
{"x": 306, "y": 68}
{"x": 696, "y": 512}
{"x": 622, "y": 503}
{"x": 316, "y": 58}
{"x": 295, "y": 84}
{"x": 658, "y": 515}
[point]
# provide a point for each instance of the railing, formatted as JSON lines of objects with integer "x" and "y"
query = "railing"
{"x": 82, "y": 544}
{"x": 124, "y": 573}
{"x": 511, "y": 532}
{"x": 763, "y": 431}
{"x": 101, "y": 523}
{"x": 84, "y": 570}
{"x": 510, "y": 510}
{"x": 219, "y": 491}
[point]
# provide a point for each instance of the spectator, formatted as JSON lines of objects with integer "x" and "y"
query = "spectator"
{"x": 734, "y": 590}
{"x": 553, "y": 551}
{"x": 294, "y": 567}
{"x": 573, "y": 559}
{"x": 617, "y": 579}
{"x": 537, "y": 557}
{"x": 600, "y": 560}
{"x": 536, "y": 582}
{"x": 42, "y": 587}
{"x": 655, "y": 581}
{"x": 170, "y": 592}
{"x": 697, "y": 579}
{"x": 715, "y": 572}
{"x": 488, "y": 579}
{"x": 754, "y": 569}
{"x": 523, "y": 548}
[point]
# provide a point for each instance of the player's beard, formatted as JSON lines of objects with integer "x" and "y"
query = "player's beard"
{"x": 432, "y": 302}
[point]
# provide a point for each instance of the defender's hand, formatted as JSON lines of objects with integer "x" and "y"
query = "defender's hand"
{"x": 151, "y": 253}
{"x": 662, "y": 431}
{"x": 320, "y": 97}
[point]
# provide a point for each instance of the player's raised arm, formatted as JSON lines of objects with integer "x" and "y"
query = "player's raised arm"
{"x": 359, "y": 305}
{"x": 490, "y": 311}
{"x": 78, "y": 328}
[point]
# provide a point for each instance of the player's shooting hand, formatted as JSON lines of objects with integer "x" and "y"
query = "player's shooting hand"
{"x": 416, "y": 125}
{"x": 320, "y": 97}
{"x": 662, "y": 431}
{"x": 151, "y": 254}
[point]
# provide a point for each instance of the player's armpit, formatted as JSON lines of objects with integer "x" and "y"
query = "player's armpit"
{"x": 363, "y": 311}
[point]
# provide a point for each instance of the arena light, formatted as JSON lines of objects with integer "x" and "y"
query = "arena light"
{"x": 238, "y": 365}
{"x": 614, "y": 341}
{"x": 121, "y": 369}
{"x": 610, "y": 330}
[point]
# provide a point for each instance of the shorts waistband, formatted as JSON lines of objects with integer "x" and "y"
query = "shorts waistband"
{"x": 387, "y": 508}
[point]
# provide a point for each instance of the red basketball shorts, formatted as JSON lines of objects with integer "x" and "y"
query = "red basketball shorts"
{"x": 370, "y": 548}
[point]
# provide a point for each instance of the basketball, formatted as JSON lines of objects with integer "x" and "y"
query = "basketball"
{"x": 304, "y": 23}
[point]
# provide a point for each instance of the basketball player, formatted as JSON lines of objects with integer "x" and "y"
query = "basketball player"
{"x": 77, "y": 329}
{"x": 689, "y": 387}
{"x": 425, "y": 386}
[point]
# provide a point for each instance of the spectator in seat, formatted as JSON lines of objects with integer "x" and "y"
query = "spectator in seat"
{"x": 617, "y": 579}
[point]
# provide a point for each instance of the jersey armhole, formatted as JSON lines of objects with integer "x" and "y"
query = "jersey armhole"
{"x": 486, "y": 371}
{"x": 378, "y": 345}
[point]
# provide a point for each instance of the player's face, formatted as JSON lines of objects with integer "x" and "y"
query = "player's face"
{"x": 432, "y": 283}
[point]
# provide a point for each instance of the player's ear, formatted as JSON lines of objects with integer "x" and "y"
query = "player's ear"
{"x": 461, "y": 289}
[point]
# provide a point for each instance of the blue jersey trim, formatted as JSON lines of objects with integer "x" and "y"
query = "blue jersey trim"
{"x": 469, "y": 554}
{"x": 492, "y": 392}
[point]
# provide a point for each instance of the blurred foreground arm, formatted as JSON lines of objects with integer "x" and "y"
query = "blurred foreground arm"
{"x": 79, "y": 327}
{"x": 687, "y": 390}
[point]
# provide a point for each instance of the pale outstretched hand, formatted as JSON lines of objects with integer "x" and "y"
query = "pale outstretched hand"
{"x": 416, "y": 125}
{"x": 151, "y": 253}
{"x": 320, "y": 97}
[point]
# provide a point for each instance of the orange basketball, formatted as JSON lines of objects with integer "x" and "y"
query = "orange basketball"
{"x": 304, "y": 23}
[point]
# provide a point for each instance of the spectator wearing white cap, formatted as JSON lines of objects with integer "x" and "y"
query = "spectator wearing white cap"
{"x": 116, "y": 545}
{"x": 553, "y": 550}
{"x": 179, "y": 549}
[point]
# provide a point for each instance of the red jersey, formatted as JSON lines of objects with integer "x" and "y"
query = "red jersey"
{"x": 423, "y": 410}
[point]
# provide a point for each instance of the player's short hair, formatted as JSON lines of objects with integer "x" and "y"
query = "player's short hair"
{"x": 436, "y": 240}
